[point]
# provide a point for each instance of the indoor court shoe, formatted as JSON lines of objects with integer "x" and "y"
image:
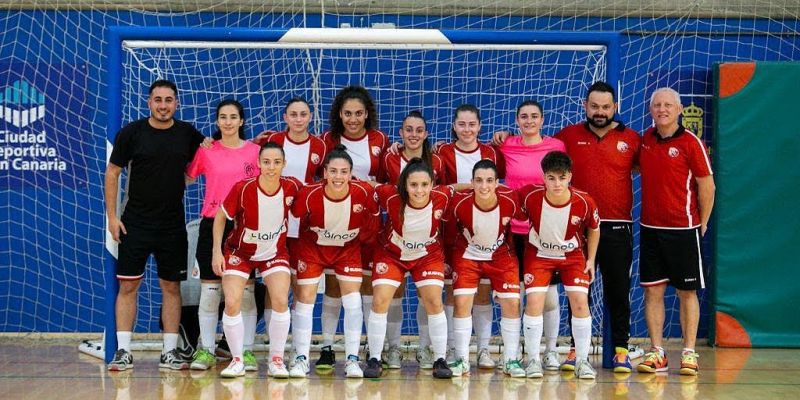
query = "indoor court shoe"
{"x": 327, "y": 359}
{"x": 234, "y": 369}
{"x": 513, "y": 368}
{"x": 689, "y": 363}
{"x": 534, "y": 369}
{"x": 276, "y": 368}
{"x": 203, "y": 360}
{"x": 450, "y": 355}
{"x": 299, "y": 368}
{"x": 460, "y": 367}
{"x": 394, "y": 358}
{"x": 485, "y": 360}
{"x": 584, "y": 370}
{"x": 654, "y": 361}
{"x": 173, "y": 360}
{"x": 250, "y": 361}
{"x": 621, "y": 362}
{"x": 441, "y": 370}
{"x": 551, "y": 362}
{"x": 425, "y": 357}
{"x": 569, "y": 363}
{"x": 123, "y": 360}
{"x": 352, "y": 369}
{"x": 374, "y": 368}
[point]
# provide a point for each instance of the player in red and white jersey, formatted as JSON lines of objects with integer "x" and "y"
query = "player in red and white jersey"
{"x": 564, "y": 223}
{"x": 410, "y": 242}
{"x": 459, "y": 158}
{"x": 334, "y": 214}
{"x": 677, "y": 199}
{"x": 605, "y": 154}
{"x": 259, "y": 207}
{"x": 481, "y": 219}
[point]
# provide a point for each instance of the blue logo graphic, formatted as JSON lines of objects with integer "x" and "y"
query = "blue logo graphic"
{"x": 21, "y": 93}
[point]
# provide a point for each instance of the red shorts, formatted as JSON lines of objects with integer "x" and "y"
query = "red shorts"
{"x": 367, "y": 254}
{"x": 389, "y": 270}
{"x": 236, "y": 265}
{"x": 313, "y": 260}
{"x": 448, "y": 267}
{"x": 538, "y": 272}
{"x": 503, "y": 273}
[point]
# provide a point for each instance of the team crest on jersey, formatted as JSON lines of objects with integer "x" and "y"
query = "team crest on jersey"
{"x": 233, "y": 260}
{"x": 505, "y": 221}
{"x": 596, "y": 215}
{"x": 528, "y": 279}
{"x": 455, "y": 276}
{"x": 622, "y": 147}
{"x": 381, "y": 268}
{"x": 575, "y": 220}
{"x": 314, "y": 158}
{"x": 437, "y": 214}
{"x": 357, "y": 208}
{"x": 250, "y": 170}
{"x": 448, "y": 269}
{"x": 301, "y": 266}
{"x": 376, "y": 151}
{"x": 289, "y": 201}
{"x": 673, "y": 152}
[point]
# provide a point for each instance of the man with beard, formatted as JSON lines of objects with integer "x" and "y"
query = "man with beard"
{"x": 605, "y": 152}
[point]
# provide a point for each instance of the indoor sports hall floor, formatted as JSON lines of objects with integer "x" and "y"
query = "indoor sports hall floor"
{"x": 45, "y": 369}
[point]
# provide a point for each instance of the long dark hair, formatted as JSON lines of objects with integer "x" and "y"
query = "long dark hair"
{"x": 415, "y": 164}
{"x": 230, "y": 102}
{"x": 339, "y": 151}
{"x": 427, "y": 152}
{"x": 351, "y": 92}
{"x": 464, "y": 107}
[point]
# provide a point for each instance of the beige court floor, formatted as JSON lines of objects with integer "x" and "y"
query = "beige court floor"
{"x": 31, "y": 370}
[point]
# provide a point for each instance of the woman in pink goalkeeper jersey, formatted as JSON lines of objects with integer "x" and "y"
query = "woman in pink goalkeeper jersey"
{"x": 229, "y": 159}
{"x": 523, "y": 154}
{"x": 259, "y": 207}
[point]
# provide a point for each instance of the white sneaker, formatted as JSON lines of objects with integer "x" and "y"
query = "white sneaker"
{"x": 584, "y": 370}
{"x": 352, "y": 369}
{"x": 299, "y": 368}
{"x": 460, "y": 367}
{"x": 534, "y": 369}
{"x": 450, "y": 355}
{"x": 485, "y": 360}
{"x": 234, "y": 369}
{"x": 277, "y": 369}
{"x": 425, "y": 357}
{"x": 551, "y": 362}
{"x": 394, "y": 358}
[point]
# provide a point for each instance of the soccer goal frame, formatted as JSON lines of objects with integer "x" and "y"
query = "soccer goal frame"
{"x": 323, "y": 38}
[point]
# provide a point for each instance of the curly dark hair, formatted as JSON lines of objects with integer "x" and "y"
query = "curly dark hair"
{"x": 351, "y": 92}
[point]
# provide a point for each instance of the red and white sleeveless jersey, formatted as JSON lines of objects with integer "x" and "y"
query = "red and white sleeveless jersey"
{"x": 311, "y": 150}
{"x": 334, "y": 223}
{"x": 393, "y": 165}
{"x": 417, "y": 233}
{"x": 482, "y": 234}
{"x": 458, "y": 163}
{"x": 558, "y": 232}
{"x": 366, "y": 152}
{"x": 259, "y": 232}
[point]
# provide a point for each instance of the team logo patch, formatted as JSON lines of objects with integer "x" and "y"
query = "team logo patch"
{"x": 289, "y": 200}
{"x": 622, "y": 147}
{"x": 596, "y": 215}
{"x": 376, "y": 151}
{"x": 314, "y": 158}
{"x": 250, "y": 170}
{"x": 579, "y": 281}
{"x": 455, "y": 276}
{"x": 381, "y": 268}
{"x": 348, "y": 270}
{"x": 301, "y": 266}
{"x": 448, "y": 269}
{"x": 575, "y": 220}
{"x": 375, "y": 196}
{"x": 528, "y": 279}
{"x": 233, "y": 260}
{"x": 426, "y": 274}
{"x": 505, "y": 221}
{"x": 673, "y": 152}
{"x": 438, "y": 214}
{"x": 357, "y": 208}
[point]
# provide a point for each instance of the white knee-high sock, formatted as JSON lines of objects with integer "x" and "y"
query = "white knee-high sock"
{"x": 448, "y": 311}
{"x": 509, "y": 330}
{"x": 331, "y": 308}
{"x": 208, "y": 314}
{"x": 376, "y": 334}
{"x": 170, "y": 342}
{"x": 395, "y": 322}
{"x": 278, "y": 332}
{"x": 437, "y": 326}
{"x": 249, "y": 316}
{"x": 422, "y": 326}
{"x": 301, "y": 328}
{"x": 483, "y": 314}
{"x": 462, "y": 330}
{"x": 552, "y": 318}
{"x": 533, "y": 335}
{"x": 234, "y": 333}
{"x": 582, "y": 332}
{"x": 353, "y": 321}
{"x": 366, "y": 306}
{"x": 124, "y": 340}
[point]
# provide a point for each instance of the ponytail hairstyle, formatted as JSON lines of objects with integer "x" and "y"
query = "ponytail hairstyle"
{"x": 464, "y": 107}
{"x": 416, "y": 164}
{"x": 272, "y": 145}
{"x": 427, "y": 152}
{"x": 339, "y": 151}
{"x": 351, "y": 92}
{"x": 296, "y": 99}
{"x": 230, "y": 102}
